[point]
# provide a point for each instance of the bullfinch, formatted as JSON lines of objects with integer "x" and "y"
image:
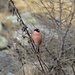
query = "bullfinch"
{"x": 37, "y": 38}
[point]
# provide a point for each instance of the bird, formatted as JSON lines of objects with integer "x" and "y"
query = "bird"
{"x": 37, "y": 38}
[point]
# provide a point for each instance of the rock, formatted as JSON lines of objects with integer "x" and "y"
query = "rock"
{"x": 32, "y": 70}
{"x": 3, "y": 43}
{"x": 32, "y": 22}
{"x": 10, "y": 73}
{"x": 13, "y": 19}
{"x": 27, "y": 18}
{"x": 53, "y": 33}
{"x": 3, "y": 32}
{"x": 3, "y": 5}
{"x": 18, "y": 36}
{"x": 0, "y": 26}
{"x": 11, "y": 66}
{"x": 8, "y": 64}
{"x": 3, "y": 28}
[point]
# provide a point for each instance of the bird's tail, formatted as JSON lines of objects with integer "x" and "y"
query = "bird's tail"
{"x": 37, "y": 48}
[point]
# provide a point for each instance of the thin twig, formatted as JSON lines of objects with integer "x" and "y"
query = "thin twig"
{"x": 19, "y": 19}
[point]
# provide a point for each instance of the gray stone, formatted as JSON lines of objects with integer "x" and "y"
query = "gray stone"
{"x": 32, "y": 70}
{"x": 8, "y": 64}
{"x": 3, "y": 43}
{"x": 0, "y": 26}
{"x": 32, "y": 22}
{"x": 3, "y": 28}
{"x": 10, "y": 73}
{"x": 3, "y": 6}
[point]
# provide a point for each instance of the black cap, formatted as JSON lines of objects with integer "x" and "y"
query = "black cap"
{"x": 37, "y": 30}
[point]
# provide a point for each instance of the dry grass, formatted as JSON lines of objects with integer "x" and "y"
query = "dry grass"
{"x": 36, "y": 7}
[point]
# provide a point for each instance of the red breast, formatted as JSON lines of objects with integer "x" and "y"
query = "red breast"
{"x": 37, "y": 37}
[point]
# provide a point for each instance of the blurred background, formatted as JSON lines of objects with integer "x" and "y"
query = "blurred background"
{"x": 56, "y": 21}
